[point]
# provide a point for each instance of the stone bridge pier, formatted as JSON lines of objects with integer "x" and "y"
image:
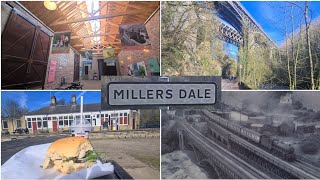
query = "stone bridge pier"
{"x": 204, "y": 161}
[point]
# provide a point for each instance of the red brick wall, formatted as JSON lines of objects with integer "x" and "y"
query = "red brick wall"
{"x": 64, "y": 68}
{"x": 153, "y": 28}
{"x": 127, "y": 57}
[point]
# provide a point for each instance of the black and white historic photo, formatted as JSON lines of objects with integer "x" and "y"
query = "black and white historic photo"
{"x": 250, "y": 134}
{"x": 134, "y": 35}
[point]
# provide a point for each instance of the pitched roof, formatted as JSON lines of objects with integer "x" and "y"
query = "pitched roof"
{"x": 65, "y": 109}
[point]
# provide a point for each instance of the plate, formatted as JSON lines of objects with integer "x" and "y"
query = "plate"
{"x": 26, "y": 163}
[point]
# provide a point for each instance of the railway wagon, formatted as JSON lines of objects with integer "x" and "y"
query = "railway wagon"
{"x": 234, "y": 127}
{"x": 223, "y": 122}
{"x": 252, "y": 135}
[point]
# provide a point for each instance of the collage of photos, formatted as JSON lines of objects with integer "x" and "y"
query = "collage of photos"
{"x": 160, "y": 89}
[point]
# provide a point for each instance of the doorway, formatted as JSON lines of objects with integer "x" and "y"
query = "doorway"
{"x": 76, "y": 72}
{"x": 107, "y": 68}
{"x": 54, "y": 126}
{"x": 24, "y": 53}
{"x": 34, "y": 127}
{"x": 86, "y": 70}
{"x": 111, "y": 70}
{"x": 133, "y": 123}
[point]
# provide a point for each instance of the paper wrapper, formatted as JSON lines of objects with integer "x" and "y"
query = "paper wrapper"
{"x": 26, "y": 165}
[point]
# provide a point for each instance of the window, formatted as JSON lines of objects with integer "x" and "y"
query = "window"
{"x": 70, "y": 117}
{"x": 29, "y": 124}
{"x": 125, "y": 118}
{"x": 5, "y": 124}
{"x": 28, "y": 119}
{"x": 49, "y": 118}
{"x": 39, "y": 124}
{"x": 39, "y": 119}
{"x": 54, "y": 118}
{"x": 70, "y": 122}
{"x": 34, "y": 119}
{"x": 44, "y": 118}
{"x": 77, "y": 117}
{"x": 18, "y": 123}
{"x": 120, "y": 114}
{"x": 98, "y": 115}
{"x": 60, "y": 117}
{"x": 45, "y": 124}
{"x": 60, "y": 123}
{"x": 102, "y": 115}
{"x": 88, "y": 118}
{"x": 65, "y": 122}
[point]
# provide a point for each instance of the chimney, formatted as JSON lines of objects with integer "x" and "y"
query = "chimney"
{"x": 53, "y": 101}
{"x": 73, "y": 100}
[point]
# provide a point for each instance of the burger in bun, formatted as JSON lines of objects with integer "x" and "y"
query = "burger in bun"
{"x": 70, "y": 154}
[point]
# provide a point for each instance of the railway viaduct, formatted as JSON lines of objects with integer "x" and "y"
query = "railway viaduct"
{"x": 234, "y": 13}
{"x": 232, "y": 156}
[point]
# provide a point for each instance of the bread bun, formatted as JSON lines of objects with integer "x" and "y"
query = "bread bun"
{"x": 64, "y": 153}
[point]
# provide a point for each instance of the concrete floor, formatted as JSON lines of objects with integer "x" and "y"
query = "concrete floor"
{"x": 91, "y": 84}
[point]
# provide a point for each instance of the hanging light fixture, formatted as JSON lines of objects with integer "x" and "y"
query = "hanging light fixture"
{"x": 51, "y": 5}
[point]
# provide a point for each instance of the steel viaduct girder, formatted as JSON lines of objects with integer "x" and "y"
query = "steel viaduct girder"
{"x": 230, "y": 35}
{"x": 234, "y": 13}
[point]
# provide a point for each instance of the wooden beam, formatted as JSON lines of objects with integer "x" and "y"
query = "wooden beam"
{"x": 93, "y": 35}
{"x": 102, "y": 44}
{"x": 86, "y": 12}
{"x": 106, "y": 16}
{"x": 95, "y": 12}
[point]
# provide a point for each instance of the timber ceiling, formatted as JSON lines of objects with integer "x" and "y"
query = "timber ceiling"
{"x": 74, "y": 16}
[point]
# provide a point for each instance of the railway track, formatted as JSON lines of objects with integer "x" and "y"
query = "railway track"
{"x": 307, "y": 167}
{"x": 248, "y": 170}
{"x": 300, "y": 173}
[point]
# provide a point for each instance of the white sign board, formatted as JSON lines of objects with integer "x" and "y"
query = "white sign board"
{"x": 161, "y": 93}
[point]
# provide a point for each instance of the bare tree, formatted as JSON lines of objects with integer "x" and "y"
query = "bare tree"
{"x": 12, "y": 109}
{"x": 306, "y": 11}
{"x": 308, "y": 43}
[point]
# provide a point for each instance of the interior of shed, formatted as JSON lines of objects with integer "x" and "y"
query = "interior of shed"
{"x": 73, "y": 44}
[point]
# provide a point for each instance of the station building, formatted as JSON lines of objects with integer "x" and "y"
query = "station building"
{"x": 58, "y": 118}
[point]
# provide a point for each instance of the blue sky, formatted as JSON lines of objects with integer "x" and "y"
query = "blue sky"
{"x": 38, "y": 99}
{"x": 231, "y": 50}
{"x": 270, "y": 15}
